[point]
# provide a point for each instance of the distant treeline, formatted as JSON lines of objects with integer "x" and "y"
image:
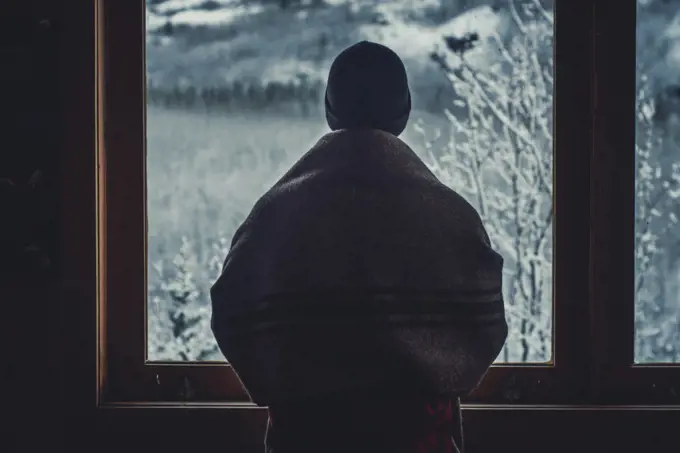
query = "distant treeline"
{"x": 306, "y": 98}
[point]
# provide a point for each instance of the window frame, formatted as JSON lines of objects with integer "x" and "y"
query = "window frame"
{"x": 79, "y": 346}
{"x": 126, "y": 377}
{"x": 584, "y": 369}
{"x": 617, "y": 378}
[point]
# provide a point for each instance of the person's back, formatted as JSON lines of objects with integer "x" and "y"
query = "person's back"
{"x": 360, "y": 284}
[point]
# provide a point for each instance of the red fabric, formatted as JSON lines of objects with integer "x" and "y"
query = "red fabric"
{"x": 395, "y": 426}
{"x": 438, "y": 434}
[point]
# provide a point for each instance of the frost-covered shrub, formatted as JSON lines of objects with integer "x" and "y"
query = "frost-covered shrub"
{"x": 179, "y": 321}
{"x": 657, "y": 190}
{"x": 498, "y": 154}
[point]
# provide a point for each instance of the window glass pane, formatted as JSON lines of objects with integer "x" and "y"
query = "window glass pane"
{"x": 235, "y": 97}
{"x": 657, "y": 251}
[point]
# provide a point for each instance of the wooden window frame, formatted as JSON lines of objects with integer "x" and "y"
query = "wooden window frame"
{"x": 124, "y": 261}
{"x": 616, "y": 378}
{"x": 130, "y": 378}
{"x": 591, "y": 388}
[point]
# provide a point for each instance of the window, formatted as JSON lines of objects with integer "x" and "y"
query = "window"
{"x": 594, "y": 261}
{"x": 586, "y": 331}
{"x": 225, "y": 114}
{"x": 230, "y": 108}
{"x": 627, "y": 223}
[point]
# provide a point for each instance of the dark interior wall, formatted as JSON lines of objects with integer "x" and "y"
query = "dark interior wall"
{"x": 24, "y": 294}
{"x": 43, "y": 336}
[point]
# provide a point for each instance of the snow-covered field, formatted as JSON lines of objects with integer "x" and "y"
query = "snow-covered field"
{"x": 234, "y": 90}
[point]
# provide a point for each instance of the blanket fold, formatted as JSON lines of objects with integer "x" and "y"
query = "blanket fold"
{"x": 356, "y": 269}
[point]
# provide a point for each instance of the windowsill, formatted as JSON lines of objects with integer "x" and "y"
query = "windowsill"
{"x": 241, "y": 427}
{"x": 473, "y": 407}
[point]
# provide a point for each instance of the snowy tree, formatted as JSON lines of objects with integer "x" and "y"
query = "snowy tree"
{"x": 499, "y": 155}
{"x": 657, "y": 188}
{"x": 657, "y": 314}
{"x": 182, "y": 326}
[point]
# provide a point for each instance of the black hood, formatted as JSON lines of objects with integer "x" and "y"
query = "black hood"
{"x": 368, "y": 89}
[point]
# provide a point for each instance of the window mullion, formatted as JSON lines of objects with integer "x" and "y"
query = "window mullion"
{"x": 613, "y": 192}
{"x": 572, "y": 163}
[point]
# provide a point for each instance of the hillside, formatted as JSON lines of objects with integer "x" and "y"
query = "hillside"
{"x": 213, "y": 44}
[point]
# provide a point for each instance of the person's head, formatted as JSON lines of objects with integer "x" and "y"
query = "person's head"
{"x": 368, "y": 89}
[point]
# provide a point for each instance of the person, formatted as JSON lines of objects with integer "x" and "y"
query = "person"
{"x": 361, "y": 297}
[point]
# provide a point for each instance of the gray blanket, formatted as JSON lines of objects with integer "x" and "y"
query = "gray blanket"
{"x": 359, "y": 268}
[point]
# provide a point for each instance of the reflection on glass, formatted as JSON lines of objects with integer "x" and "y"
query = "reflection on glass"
{"x": 657, "y": 248}
{"x": 234, "y": 98}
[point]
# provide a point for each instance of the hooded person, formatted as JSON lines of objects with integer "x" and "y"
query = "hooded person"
{"x": 361, "y": 296}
